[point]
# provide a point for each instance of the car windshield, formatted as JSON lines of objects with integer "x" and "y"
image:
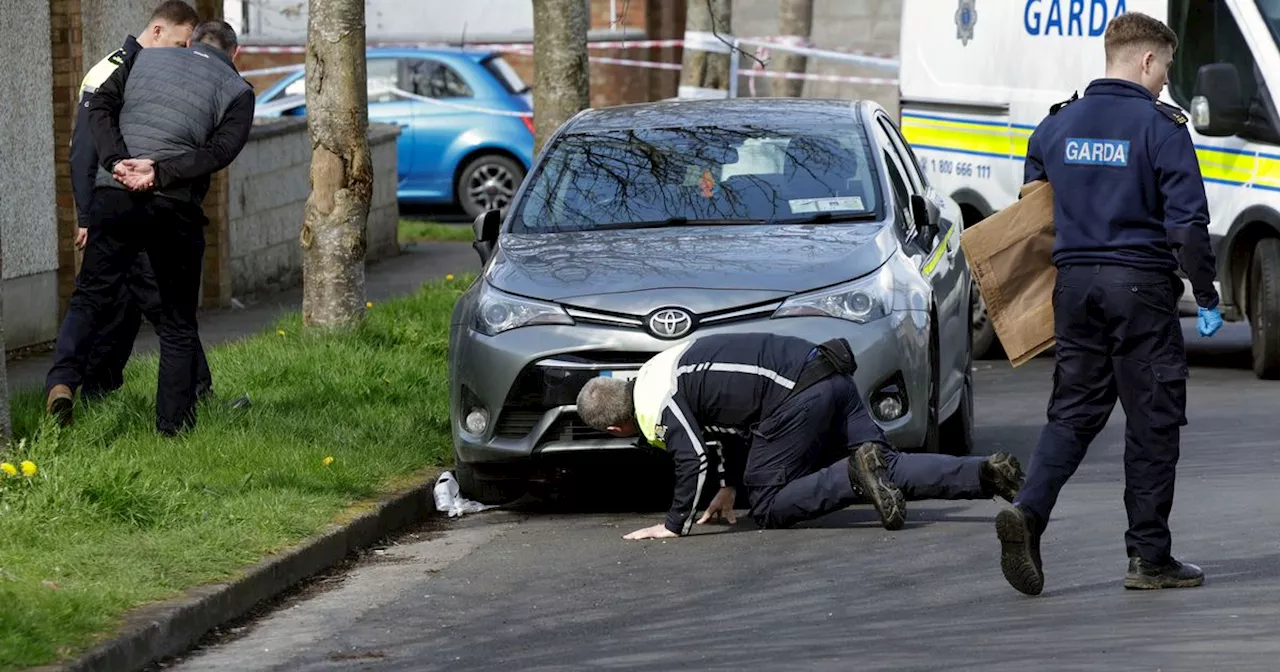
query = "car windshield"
{"x": 647, "y": 177}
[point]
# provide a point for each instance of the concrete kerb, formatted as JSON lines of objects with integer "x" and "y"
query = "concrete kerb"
{"x": 170, "y": 628}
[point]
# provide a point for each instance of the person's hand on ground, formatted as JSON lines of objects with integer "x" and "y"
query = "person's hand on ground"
{"x": 658, "y": 531}
{"x": 721, "y": 506}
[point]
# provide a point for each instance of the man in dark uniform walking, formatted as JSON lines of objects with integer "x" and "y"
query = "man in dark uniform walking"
{"x": 814, "y": 448}
{"x": 162, "y": 125}
{"x": 170, "y": 25}
{"x": 1129, "y": 207}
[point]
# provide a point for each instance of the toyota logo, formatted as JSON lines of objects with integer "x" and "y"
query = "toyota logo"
{"x": 670, "y": 323}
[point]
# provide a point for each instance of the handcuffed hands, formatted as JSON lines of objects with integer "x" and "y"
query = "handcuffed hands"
{"x": 1209, "y": 321}
{"x": 135, "y": 174}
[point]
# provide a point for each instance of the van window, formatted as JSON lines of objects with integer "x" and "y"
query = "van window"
{"x": 1207, "y": 33}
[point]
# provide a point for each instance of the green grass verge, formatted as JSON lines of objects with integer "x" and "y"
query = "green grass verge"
{"x": 117, "y": 517}
{"x": 415, "y": 231}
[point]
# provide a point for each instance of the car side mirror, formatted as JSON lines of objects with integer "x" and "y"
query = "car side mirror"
{"x": 1217, "y": 108}
{"x": 925, "y": 214}
{"x": 485, "y": 229}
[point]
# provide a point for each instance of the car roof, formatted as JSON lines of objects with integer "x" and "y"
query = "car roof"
{"x": 444, "y": 52}
{"x": 719, "y": 112}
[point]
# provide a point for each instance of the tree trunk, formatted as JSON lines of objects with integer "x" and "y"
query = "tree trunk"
{"x": 705, "y": 73}
{"x": 795, "y": 21}
{"x": 561, "y": 86}
{"x": 337, "y": 212}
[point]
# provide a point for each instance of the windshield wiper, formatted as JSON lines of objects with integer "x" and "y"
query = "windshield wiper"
{"x": 674, "y": 221}
{"x": 825, "y": 217}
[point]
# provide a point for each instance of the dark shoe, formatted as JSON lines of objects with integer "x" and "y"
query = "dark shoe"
{"x": 870, "y": 476}
{"x": 1001, "y": 475}
{"x": 60, "y": 403}
{"x": 1143, "y": 575}
{"x": 240, "y": 403}
{"x": 1020, "y": 550}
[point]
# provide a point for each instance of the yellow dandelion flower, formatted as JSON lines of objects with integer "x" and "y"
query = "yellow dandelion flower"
{"x": 448, "y": 277}
{"x": 368, "y": 304}
{"x": 280, "y": 332}
{"x": 8, "y": 469}
{"x": 328, "y": 460}
{"x": 28, "y": 468}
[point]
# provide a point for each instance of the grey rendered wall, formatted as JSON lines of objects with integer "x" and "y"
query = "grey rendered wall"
{"x": 27, "y": 215}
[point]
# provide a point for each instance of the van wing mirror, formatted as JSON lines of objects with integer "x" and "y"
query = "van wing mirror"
{"x": 485, "y": 229}
{"x": 1217, "y": 107}
{"x": 925, "y": 214}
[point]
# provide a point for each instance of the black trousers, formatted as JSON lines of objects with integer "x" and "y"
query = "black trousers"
{"x": 171, "y": 234}
{"x": 797, "y": 467}
{"x": 113, "y": 343}
{"x": 1118, "y": 337}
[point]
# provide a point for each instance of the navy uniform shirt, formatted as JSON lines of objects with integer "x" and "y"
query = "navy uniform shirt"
{"x": 84, "y": 154}
{"x": 1126, "y": 182}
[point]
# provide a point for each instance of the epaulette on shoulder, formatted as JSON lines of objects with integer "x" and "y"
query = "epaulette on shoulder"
{"x": 1056, "y": 107}
{"x": 1177, "y": 115}
{"x": 117, "y": 57}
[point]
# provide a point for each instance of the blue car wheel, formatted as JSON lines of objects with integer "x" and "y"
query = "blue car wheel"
{"x": 488, "y": 182}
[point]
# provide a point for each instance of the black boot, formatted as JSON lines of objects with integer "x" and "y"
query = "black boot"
{"x": 1019, "y": 534}
{"x": 1143, "y": 575}
{"x": 1001, "y": 475}
{"x": 870, "y": 477}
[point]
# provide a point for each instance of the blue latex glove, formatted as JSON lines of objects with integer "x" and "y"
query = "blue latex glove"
{"x": 1210, "y": 321}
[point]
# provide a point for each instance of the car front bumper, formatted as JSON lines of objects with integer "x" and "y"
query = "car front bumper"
{"x": 526, "y": 380}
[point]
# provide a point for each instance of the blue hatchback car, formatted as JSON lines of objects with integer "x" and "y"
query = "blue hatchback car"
{"x": 466, "y": 123}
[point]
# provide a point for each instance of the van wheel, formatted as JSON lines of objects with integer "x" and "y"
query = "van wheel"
{"x": 1264, "y": 308}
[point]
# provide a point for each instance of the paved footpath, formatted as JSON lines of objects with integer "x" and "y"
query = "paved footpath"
{"x": 386, "y": 279}
{"x": 540, "y": 590}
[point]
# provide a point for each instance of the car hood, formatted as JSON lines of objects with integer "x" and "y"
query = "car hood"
{"x": 704, "y": 269}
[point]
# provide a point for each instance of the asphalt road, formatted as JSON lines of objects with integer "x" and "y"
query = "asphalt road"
{"x": 536, "y": 590}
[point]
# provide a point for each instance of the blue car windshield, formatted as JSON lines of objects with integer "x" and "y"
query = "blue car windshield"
{"x": 652, "y": 177}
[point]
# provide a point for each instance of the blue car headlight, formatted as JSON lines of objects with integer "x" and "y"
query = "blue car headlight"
{"x": 863, "y": 300}
{"x": 497, "y": 312}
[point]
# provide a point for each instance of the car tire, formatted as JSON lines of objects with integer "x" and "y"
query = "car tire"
{"x": 1264, "y": 308}
{"x": 932, "y": 432}
{"x": 476, "y": 485}
{"x": 499, "y": 172}
{"x": 956, "y": 433}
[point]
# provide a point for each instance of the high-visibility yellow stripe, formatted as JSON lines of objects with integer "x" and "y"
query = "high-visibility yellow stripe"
{"x": 993, "y": 139}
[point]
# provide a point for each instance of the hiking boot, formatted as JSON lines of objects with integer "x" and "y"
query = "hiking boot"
{"x": 1001, "y": 475}
{"x": 59, "y": 404}
{"x": 1020, "y": 550}
{"x": 870, "y": 476}
{"x": 1143, "y": 575}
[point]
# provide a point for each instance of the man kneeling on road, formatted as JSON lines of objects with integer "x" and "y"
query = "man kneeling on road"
{"x": 814, "y": 448}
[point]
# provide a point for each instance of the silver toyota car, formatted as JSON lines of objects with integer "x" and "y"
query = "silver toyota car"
{"x": 640, "y": 226}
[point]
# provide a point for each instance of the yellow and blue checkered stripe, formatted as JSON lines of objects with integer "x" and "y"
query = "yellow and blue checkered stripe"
{"x": 975, "y": 137}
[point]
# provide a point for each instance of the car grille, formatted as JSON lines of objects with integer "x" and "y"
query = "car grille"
{"x": 517, "y": 424}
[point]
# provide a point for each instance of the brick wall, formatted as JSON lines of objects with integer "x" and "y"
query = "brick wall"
{"x": 268, "y": 186}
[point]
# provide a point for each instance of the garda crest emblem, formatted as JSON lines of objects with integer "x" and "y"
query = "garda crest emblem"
{"x": 966, "y": 16}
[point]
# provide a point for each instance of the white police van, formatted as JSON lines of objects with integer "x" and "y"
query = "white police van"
{"x": 978, "y": 75}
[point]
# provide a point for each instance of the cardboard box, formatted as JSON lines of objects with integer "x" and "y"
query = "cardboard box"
{"x": 1010, "y": 256}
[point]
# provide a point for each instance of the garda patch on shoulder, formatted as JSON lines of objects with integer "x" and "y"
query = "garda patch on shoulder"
{"x": 660, "y": 432}
{"x": 1096, "y": 152}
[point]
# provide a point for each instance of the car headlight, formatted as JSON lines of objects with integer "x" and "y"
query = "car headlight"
{"x": 497, "y": 312}
{"x": 863, "y": 300}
